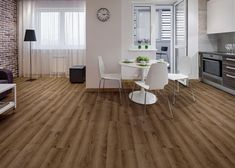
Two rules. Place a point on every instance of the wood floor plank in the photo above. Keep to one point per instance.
(60, 125)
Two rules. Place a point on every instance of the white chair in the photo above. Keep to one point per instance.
(108, 76)
(185, 71)
(156, 80)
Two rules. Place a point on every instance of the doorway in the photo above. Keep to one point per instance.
(164, 33)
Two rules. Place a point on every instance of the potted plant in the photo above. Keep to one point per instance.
(139, 44)
(146, 44)
(140, 59)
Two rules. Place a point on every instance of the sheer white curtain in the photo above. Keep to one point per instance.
(60, 31)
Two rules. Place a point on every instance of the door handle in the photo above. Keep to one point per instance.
(230, 59)
(228, 67)
(230, 76)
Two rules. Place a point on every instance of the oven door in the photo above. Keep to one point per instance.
(212, 67)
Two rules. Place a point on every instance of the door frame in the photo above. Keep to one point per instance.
(185, 33)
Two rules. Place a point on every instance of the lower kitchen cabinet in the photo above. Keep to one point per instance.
(211, 63)
(229, 72)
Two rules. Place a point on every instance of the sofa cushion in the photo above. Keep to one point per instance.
(2, 81)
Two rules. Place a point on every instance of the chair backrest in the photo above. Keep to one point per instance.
(184, 65)
(164, 49)
(157, 76)
(101, 66)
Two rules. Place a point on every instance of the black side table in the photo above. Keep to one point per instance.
(77, 74)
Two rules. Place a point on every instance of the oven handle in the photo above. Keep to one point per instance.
(230, 59)
(230, 76)
(212, 60)
(228, 67)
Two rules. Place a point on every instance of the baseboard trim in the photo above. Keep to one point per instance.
(105, 90)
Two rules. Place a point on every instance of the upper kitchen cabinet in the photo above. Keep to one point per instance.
(220, 16)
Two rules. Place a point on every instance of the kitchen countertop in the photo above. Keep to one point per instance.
(217, 53)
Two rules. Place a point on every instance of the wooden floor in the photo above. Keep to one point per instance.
(60, 125)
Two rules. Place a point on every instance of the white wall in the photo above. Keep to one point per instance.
(206, 42)
(113, 39)
(103, 39)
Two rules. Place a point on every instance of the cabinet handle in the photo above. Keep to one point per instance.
(228, 67)
(230, 59)
(230, 76)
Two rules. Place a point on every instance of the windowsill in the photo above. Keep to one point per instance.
(56, 49)
(143, 50)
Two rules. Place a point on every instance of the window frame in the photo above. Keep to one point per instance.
(133, 16)
(136, 22)
(153, 33)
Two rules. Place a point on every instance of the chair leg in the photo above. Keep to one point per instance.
(132, 91)
(145, 106)
(170, 108)
(99, 87)
(169, 104)
(119, 87)
(129, 100)
(178, 86)
(174, 94)
(123, 89)
(192, 91)
(103, 84)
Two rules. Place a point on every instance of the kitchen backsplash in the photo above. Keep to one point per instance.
(212, 42)
(224, 39)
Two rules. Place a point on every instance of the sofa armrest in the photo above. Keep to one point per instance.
(6, 74)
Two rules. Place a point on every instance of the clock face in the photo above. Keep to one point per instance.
(103, 14)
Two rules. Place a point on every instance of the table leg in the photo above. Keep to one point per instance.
(142, 96)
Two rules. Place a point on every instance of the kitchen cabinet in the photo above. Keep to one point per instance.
(220, 16)
(229, 72)
(225, 79)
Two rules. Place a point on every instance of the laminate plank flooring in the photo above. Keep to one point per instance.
(61, 125)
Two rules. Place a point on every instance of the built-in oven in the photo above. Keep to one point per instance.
(212, 68)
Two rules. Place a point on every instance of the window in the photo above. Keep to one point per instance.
(61, 29)
(164, 28)
(49, 28)
(142, 24)
(152, 23)
(73, 20)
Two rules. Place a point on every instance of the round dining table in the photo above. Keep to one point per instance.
(139, 96)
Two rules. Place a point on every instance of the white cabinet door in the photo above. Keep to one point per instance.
(220, 16)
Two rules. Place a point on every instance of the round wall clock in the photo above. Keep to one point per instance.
(103, 14)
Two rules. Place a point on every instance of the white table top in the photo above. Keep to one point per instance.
(137, 65)
(5, 87)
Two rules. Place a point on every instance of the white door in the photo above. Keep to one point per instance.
(180, 32)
